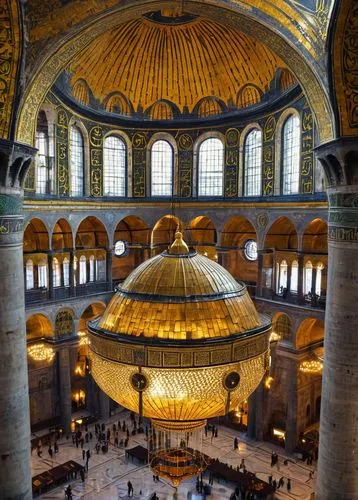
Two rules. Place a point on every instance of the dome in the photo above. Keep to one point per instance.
(165, 66)
(180, 296)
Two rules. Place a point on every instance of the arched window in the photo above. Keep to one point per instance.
(291, 155)
(161, 169)
(42, 180)
(42, 274)
(100, 269)
(29, 274)
(320, 267)
(91, 268)
(83, 270)
(294, 276)
(66, 272)
(114, 166)
(77, 162)
(252, 163)
(308, 278)
(282, 284)
(56, 272)
(211, 168)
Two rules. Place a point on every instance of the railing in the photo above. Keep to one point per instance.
(62, 292)
(317, 302)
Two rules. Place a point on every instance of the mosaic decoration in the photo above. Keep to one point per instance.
(307, 144)
(96, 160)
(62, 156)
(268, 166)
(185, 162)
(139, 143)
(10, 46)
(30, 181)
(231, 173)
(64, 324)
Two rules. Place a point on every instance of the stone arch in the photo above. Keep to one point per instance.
(36, 236)
(310, 331)
(281, 235)
(282, 327)
(62, 236)
(163, 233)
(136, 233)
(89, 312)
(236, 232)
(91, 233)
(37, 326)
(315, 237)
(202, 236)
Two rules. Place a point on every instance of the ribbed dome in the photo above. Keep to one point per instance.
(183, 297)
(197, 66)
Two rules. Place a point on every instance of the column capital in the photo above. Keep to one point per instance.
(15, 160)
(339, 159)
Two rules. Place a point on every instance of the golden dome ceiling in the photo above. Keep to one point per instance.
(161, 68)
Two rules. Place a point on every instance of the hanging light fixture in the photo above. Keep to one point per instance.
(315, 364)
(41, 352)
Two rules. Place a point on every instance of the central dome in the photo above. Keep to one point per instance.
(182, 296)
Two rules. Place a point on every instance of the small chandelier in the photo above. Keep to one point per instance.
(41, 352)
(314, 366)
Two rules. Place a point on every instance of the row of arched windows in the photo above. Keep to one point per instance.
(310, 285)
(210, 164)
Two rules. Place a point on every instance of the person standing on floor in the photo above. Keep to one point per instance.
(130, 489)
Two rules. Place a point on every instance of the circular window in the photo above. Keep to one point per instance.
(231, 381)
(250, 250)
(120, 248)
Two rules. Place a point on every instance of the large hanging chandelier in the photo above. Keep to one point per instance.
(315, 364)
(180, 342)
(41, 352)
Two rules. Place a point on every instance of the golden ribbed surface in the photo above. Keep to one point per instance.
(147, 62)
(180, 297)
(184, 321)
(182, 276)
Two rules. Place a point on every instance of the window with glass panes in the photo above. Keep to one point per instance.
(66, 272)
(77, 162)
(211, 168)
(114, 167)
(29, 274)
(83, 270)
(291, 155)
(91, 268)
(42, 275)
(56, 272)
(253, 163)
(41, 163)
(161, 169)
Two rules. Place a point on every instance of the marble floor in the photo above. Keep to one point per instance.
(108, 474)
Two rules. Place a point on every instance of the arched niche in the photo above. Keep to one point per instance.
(281, 327)
(91, 234)
(315, 237)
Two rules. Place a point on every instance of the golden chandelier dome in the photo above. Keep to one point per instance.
(180, 342)
(180, 295)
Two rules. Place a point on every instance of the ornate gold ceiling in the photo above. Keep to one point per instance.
(199, 66)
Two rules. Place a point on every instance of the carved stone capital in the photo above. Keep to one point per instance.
(15, 160)
(339, 159)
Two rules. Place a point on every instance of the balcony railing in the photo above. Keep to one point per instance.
(63, 292)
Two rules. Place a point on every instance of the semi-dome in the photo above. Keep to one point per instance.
(164, 66)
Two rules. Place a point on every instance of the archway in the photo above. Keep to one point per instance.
(203, 236)
(280, 259)
(281, 327)
(38, 326)
(310, 331)
(62, 236)
(134, 232)
(238, 237)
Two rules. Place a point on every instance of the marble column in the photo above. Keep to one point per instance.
(109, 259)
(50, 275)
(255, 419)
(64, 370)
(259, 279)
(15, 469)
(338, 448)
(291, 437)
(104, 406)
(300, 294)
